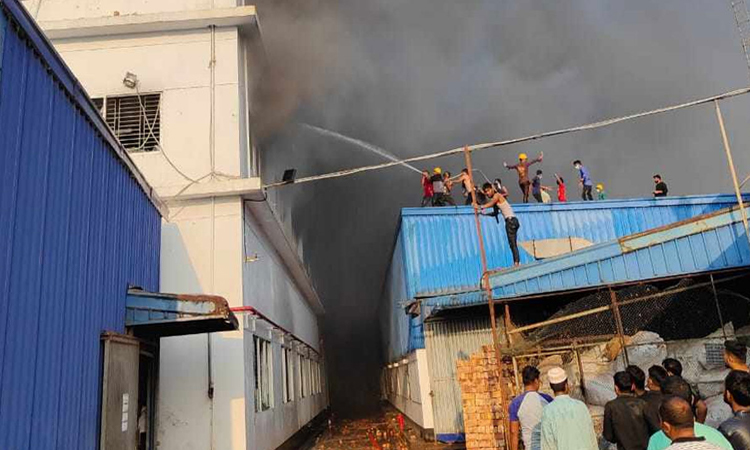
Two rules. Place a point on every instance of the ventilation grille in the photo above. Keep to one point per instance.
(136, 123)
(714, 355)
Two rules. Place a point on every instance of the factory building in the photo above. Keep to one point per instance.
(173, 82)
(434, 313)
(81, 315)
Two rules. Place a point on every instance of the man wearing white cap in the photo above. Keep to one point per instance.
(566, 422)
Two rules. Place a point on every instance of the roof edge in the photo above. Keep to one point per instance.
(237, 16)
(581, 205)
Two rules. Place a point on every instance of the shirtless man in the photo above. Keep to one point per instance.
(466, 186)
(499, 204)
(523, 172)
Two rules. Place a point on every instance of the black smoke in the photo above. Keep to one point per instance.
(418, 76)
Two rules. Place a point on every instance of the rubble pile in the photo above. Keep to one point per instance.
(383, 432)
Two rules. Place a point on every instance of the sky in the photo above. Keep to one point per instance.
(422, 76)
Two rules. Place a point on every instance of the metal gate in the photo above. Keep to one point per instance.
(448, 341)
(119, 392)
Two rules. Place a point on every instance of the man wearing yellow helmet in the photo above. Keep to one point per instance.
(523, 172)
(438, 187)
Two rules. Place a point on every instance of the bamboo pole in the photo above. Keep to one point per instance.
(732, 171)
(490, 301)
(618, 325)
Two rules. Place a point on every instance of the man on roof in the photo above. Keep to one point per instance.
(523, 172)
(438, 187)
(500, 205)
(584, 180)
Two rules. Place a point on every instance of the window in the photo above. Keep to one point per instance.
(300, 375)
(316, 377)
(135, 120)
(263, 374)
(287, 365)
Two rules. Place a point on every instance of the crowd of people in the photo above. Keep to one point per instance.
(436, 187)
(653, 410)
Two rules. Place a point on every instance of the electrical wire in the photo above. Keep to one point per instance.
(533, 137)
(154, 137)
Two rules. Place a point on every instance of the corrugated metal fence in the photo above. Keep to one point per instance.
(75, 230)
(447, 342)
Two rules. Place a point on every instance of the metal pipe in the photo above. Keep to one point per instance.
(618, 325)
(260, 315)
(490, 299)
(732, 171)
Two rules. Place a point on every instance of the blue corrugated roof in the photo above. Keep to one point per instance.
(75, 230)
(440, 246)
(711, 242)
(707, 243)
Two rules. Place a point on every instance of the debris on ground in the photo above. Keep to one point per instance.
(386, 431)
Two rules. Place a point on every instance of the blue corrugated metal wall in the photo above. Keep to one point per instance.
(442, 253)
(75, 230)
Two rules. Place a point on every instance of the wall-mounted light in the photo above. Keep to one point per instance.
(249, 259)
(130, 81)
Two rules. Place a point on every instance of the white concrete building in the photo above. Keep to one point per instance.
(185, 113)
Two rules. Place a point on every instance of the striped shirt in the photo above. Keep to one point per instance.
(695, 443)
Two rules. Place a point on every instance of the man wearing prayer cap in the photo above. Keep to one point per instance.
(566, 422)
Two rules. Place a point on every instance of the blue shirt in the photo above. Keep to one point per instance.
(566, 425)
(585, 176)
(527, 410)
(536, 185)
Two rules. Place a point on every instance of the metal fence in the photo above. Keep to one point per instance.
(688, 318)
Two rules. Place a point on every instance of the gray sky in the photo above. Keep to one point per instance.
(427, 75)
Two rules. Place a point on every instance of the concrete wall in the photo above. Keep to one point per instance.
(176, 65)
(408, 388)
(271, 291)
(201, 252)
